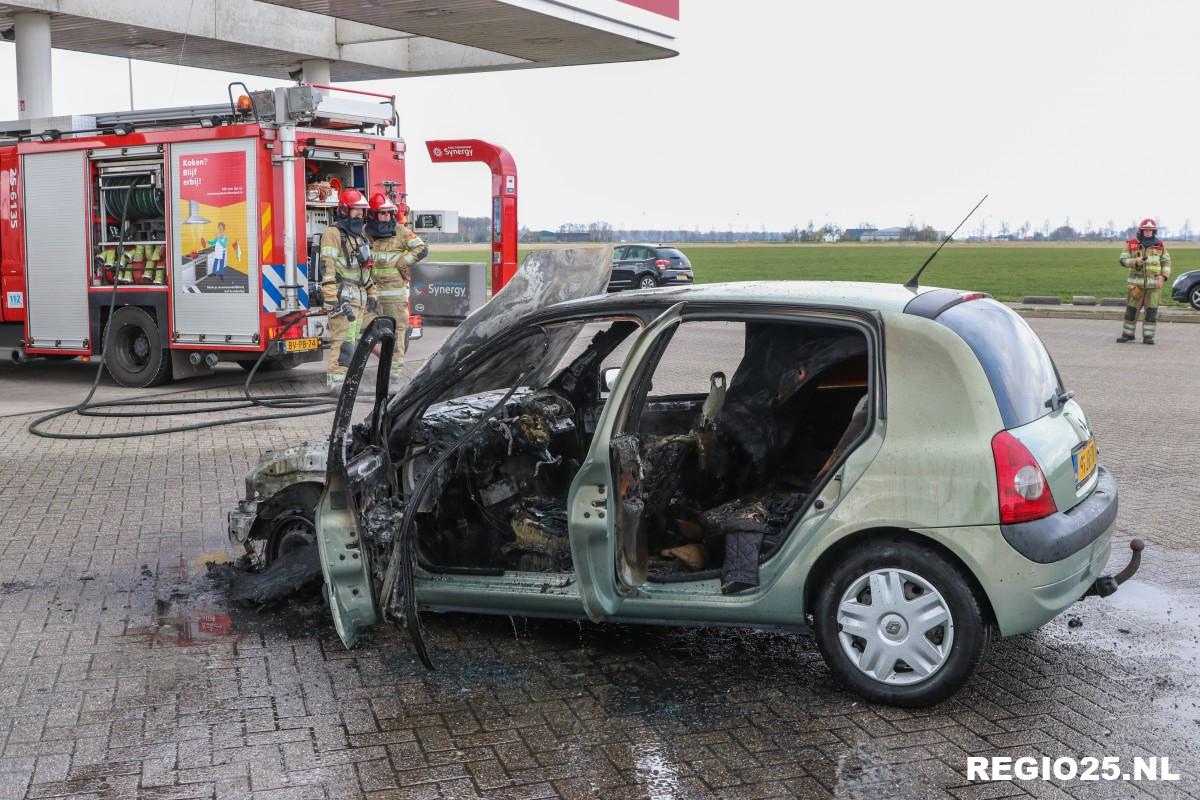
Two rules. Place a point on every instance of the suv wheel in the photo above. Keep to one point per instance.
(1194, 297)
(648, 282)
(898, 623)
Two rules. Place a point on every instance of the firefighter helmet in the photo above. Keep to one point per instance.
(381, 202)
(351, 198)
(1148, 222)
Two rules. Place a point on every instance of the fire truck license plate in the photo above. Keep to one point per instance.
(300, 345)
(1085, 462)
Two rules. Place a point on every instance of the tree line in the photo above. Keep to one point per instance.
(477, 230)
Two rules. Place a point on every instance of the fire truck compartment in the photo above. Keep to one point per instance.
(56, 237)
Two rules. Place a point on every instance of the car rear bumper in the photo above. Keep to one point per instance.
(1032, 573)
(1043, 567)
(1059, 535)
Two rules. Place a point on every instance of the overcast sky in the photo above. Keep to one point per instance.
(775, 113)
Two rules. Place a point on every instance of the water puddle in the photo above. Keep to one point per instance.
(188, 627)
(656, 773)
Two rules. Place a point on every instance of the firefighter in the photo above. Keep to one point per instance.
(1149, 266)
(346, 279)
(395, 248)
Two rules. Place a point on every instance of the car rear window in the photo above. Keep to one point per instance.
(671, 252)
(1021, 372)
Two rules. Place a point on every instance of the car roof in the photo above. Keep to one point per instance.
(883, 297)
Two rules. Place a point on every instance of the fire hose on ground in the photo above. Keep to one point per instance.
(297, 404)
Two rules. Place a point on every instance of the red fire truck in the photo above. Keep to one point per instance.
(191, 232)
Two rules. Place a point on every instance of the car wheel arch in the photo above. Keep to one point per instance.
(825, 562)
(304, 493)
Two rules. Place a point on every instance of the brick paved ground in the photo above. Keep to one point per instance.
(123, 674)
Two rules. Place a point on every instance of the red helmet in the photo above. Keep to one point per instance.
(1148, 222)
(381, 202)
(352, 198)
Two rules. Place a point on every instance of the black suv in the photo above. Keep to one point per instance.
(644, 266)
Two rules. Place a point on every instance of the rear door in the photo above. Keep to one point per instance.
(608, 542)
(216, 286)
(622, 275)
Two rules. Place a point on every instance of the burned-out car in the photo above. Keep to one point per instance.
(898, 470)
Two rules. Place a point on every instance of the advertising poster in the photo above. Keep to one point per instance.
(441, 290)
(214, 220)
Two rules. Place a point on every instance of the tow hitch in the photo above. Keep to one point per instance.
(1107, 584)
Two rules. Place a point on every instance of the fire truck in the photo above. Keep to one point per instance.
(190, 233)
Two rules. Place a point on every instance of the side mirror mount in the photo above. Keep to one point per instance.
(608, 378)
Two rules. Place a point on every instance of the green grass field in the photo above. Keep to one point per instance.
(1007, 272)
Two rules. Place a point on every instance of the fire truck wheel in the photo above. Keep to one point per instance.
(134, 354)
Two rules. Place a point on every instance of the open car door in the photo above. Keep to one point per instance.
(606, 528)
(363, 476)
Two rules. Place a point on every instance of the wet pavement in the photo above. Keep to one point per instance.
(125, 673)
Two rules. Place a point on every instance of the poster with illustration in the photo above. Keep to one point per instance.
(212, 223)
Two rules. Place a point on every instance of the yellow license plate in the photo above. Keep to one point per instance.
(300, 345)
(1085, 462)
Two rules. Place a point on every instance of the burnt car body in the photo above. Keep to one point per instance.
(841, 475)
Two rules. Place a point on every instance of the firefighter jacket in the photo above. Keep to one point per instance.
(1146, 261)
(395, 255)
(343, 265)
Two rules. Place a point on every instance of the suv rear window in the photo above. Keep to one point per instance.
(1021, 372)
(671, 252)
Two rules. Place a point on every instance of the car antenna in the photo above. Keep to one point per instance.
(912, 282)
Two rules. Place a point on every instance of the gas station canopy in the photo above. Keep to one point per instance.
(360, 39)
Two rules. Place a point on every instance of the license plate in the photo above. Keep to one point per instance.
(300, 345)
(1085, 462)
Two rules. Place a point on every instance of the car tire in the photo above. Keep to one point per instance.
(134, 353)
(931, 591)
(1194, 297)
(647, 282)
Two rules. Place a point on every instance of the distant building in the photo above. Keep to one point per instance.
(855, 234)
(882, 235)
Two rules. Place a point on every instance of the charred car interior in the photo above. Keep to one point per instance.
(711, 462)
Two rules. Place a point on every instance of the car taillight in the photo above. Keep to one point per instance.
(414, 321)
(662, 262)
(1024, 493)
